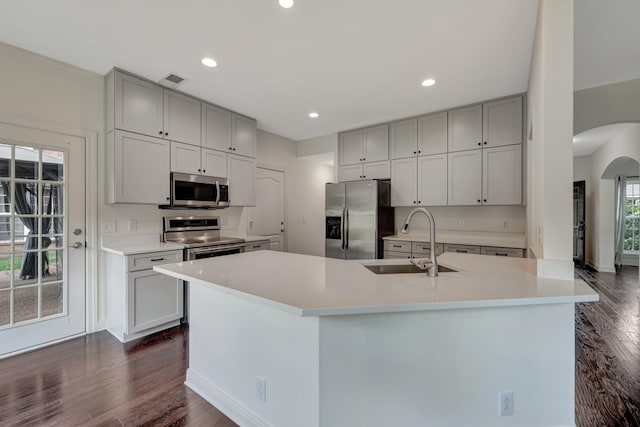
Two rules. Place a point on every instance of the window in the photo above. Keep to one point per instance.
(632, 217)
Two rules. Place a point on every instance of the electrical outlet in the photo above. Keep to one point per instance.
(132, 225)
(461, 223)
(506, 403)
(261, 389)
(108, 227)
(504, 224)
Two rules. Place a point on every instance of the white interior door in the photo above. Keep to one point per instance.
(268, 216)
(42, 237)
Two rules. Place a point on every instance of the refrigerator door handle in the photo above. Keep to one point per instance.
(346, 228)
(342, 228)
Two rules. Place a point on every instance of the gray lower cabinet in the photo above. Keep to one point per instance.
(396, 249)
(496, 251)
(259, 245)
(139, 300)
(462, 249)
(423, 249)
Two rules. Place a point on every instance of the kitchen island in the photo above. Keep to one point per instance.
(280, 339)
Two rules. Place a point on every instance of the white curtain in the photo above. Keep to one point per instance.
(621, 190)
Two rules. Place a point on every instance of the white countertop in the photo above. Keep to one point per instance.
(476, 238)
(316, 286)
(140, 248)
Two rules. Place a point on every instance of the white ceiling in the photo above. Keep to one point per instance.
(606, 42)
(356, 62)
(589, 141)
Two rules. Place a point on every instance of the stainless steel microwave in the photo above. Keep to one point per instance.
(198, 191)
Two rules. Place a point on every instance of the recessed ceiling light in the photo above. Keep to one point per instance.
(314, 115)
(209, 62)
(428, 82)
(286, 3)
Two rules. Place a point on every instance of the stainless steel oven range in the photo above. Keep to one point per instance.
(201, 238)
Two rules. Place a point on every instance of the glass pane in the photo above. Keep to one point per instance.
(54, 242)
(5, 160)
(4, 307)
(52, 266)
(25, 267)
(25, 304)
(52, 165)
(27, 159)
(52, 300)
(52, 199)
(5, 270)
(25, 201)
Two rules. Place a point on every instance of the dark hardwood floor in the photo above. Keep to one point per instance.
(608, 351)
(97, 381)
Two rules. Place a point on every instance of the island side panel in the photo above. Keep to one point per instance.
(448, 367)
(233, 340)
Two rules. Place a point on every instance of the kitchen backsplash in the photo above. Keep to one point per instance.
(499, 219)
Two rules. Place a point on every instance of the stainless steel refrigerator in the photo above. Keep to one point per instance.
(358, 214)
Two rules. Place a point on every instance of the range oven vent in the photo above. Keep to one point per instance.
(171, 81)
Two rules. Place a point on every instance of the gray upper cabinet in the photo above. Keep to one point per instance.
(181, 118)
(422, 136)
(465, 128)
(403, 138)
(243, 136)
(376, 143)
(134, 105)
(216, 128)
(351, 147)
(432, 134)
(364, 145)
(502, 122)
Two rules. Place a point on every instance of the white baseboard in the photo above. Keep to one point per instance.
(39, 346)
(226, 404)
(604, 268)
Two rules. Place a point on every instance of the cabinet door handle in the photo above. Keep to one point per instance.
(397, 246)
(462, 251)
(419, 151)
(156, 259)
(485, 143)
(166, 134)
(415, 152)
(478, 200)
(419, 201)
(204, 170)
(479, 143)
(485, 200)
(234, 148)
(501, 254)
(160, 132)
(199, 170)
(256, 246)
(230, 148)
(364, 158)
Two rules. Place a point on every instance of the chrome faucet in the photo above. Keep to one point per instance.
(431, 265)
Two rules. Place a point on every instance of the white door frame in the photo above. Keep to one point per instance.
(91, 209)
(286, 221)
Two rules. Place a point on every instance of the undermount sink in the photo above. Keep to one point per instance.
(404, 268)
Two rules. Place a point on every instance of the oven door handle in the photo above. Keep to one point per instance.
(216, 249)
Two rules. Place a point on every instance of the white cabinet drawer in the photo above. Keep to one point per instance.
(148, 260)
(423, 248)
(256, 246)
(397, 246)
(463, 249)
(396, 255)
(509, 252)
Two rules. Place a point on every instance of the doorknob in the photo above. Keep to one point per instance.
(77, 245)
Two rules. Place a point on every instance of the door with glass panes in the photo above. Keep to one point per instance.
(42, 237)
